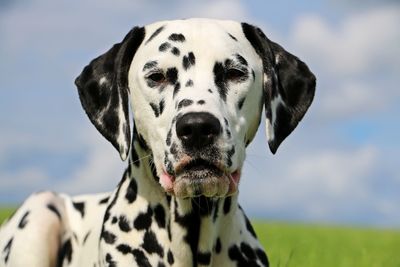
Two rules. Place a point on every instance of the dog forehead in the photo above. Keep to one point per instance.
(208, 37)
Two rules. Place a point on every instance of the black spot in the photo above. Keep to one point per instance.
(216, 210)
(53, 209)
(210, 91)
(170, 257)
(124, 249)
(175, 51)
(161, 106)
(172, 75)
(164, 46)
(201, 102)
(168, 164)
(85, 238)
(150, 65)
(176, 89)
(247, 143)
(262, 256)
(230, 154)
(65, 253)
(23, 221)
(159, 214)
(226, 122)
(233, 37)
(219, 79)
(204, 258)
(157, 32)
(104, 200)
(155, 109)
(160, 264)
(131, 192)
(169, 231)
(7, 249)
(80, 207)
(184, 103)
(75, 236)
(153, 169)
(177, 37)
(141, 258)
(151, 245)
(218, 246)
(123, 224)
(247, 251)
(240, 103)
(189, 83)
(174, 148)
(108, 237)
(228, 134)
(114, 220)
(249, 227)
(143, 220)
(141, 141)
(169, 136)
(134, 159)
(235, 254)
(227, 205)
(188, 61)
(241, 60)
(110, 261)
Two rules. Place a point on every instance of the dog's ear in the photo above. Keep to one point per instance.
(288, 85)
(104, 93)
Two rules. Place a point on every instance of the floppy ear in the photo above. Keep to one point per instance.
(288, 85)
(104, 93)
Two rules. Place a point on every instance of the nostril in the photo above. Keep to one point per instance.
(186, 131)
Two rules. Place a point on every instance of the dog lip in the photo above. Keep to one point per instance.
(198, 164)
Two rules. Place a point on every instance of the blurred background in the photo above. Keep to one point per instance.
(338, 167)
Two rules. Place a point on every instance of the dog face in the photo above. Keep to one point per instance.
(197, 89)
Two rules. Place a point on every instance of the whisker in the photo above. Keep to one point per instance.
(139, 159)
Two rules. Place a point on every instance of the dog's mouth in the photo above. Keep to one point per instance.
(197, 177)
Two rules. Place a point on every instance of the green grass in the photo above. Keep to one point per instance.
(301, 245)
(307, 245)
(5, 213)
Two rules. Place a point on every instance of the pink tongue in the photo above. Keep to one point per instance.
(166, 181)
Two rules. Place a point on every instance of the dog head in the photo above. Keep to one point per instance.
(197, 89)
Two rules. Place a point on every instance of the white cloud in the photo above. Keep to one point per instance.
(101, 172)
(355, 61)
(352, 98)
(363, 42)
(327, 185)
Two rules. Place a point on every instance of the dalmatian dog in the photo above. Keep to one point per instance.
(196, 89)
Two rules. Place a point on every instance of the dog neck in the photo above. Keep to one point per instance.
(199, 223)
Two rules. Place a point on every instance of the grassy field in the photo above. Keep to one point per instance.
(299, 245)
(307, 245)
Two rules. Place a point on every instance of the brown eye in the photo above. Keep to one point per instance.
(157, 77)
(234, 74)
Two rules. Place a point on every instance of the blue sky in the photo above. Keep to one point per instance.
(339, 166)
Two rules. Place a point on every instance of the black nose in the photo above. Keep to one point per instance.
(197, 129)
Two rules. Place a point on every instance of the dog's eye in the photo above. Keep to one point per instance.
(157, 77)
(235, 74)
